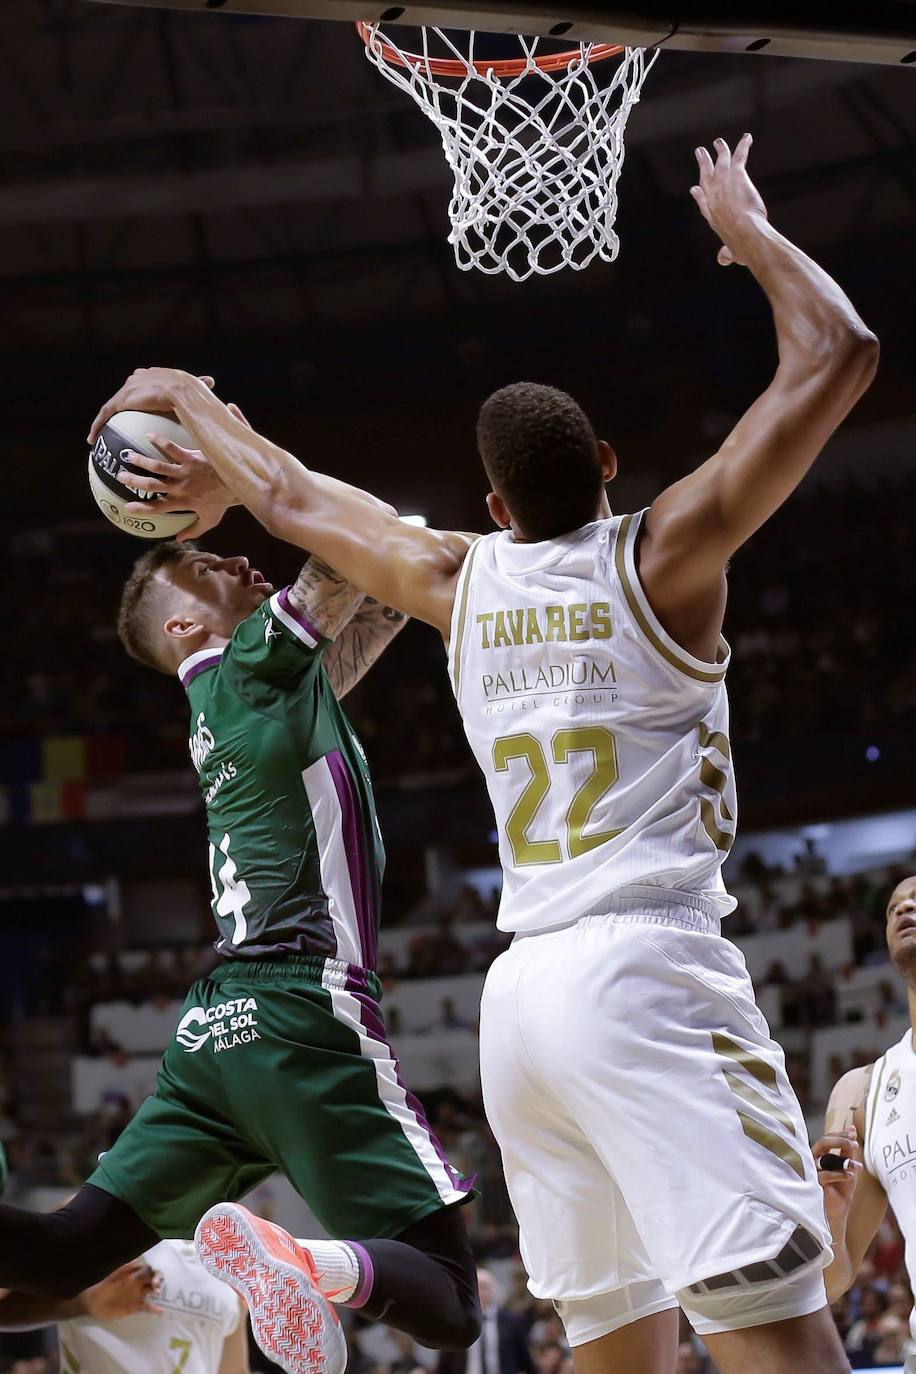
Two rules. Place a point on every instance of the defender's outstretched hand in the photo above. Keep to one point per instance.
(728, 199)
(147, 388)
(183, 480)
(128, 1290)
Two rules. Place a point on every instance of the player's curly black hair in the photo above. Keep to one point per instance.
(541, 457)
(139, 614)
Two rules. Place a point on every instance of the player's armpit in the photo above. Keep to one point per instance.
(327, 601)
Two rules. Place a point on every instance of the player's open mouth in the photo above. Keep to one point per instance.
(906, 922)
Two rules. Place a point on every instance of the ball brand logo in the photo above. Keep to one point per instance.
(103, 457)
(227, 1024)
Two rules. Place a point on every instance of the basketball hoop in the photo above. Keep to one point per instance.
(535, 144)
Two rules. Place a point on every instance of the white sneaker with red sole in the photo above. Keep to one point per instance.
(293, 1322)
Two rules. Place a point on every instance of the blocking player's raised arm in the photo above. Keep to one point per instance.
(405, 566)
(827, 359)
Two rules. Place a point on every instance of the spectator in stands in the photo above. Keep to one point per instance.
(809, 861)
(408, 1360)
(449, 1018)
(816, 995)
(502, 1347)
(776, 975)
(891, 1346)
(865, 1334)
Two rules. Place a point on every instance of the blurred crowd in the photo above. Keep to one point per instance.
(872, 1318)
(805, 629)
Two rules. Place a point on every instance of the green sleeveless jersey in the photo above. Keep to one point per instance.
(296, 854)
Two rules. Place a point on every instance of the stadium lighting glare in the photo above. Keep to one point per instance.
(420, 520)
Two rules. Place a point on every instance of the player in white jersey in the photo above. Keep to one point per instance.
(161, 1314)
(871, 1122)
(653, 1147)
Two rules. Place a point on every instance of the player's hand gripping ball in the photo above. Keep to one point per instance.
(124, 433)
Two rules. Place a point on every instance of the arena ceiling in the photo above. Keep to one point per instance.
(201, 176)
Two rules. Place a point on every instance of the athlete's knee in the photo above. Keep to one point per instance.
(461, 1329)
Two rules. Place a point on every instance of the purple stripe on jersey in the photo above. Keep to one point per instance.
(201, 666)
(283, 599)
(375, 1028)
(355, 846)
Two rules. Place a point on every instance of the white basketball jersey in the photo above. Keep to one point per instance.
(890, 1141)
(603, 743)
(200, 1312)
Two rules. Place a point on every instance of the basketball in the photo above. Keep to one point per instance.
(125, 433)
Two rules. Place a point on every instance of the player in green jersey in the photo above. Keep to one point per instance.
(280, 1058)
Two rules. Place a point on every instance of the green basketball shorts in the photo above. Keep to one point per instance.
(282, 1066)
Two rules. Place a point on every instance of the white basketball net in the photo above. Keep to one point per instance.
(536, 157)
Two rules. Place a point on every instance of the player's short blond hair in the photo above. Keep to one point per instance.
(142, 606)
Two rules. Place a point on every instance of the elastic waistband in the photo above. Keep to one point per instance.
(301, 968)
(645, 904)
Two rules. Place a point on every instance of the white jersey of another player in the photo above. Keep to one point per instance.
(889, 1148)
(199, 1314)
(604, 744)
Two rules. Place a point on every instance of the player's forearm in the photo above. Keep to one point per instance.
(274, 485)
(25, 1311)
(818, 328)
(364, 640)
(840, 1274)
(400, 565)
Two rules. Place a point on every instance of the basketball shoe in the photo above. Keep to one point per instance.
(293, 1322)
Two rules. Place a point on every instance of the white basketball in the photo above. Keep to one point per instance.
(126, 432)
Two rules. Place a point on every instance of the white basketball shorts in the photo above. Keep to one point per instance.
(652, 1145)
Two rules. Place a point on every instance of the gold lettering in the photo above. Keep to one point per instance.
(500, 633)
(533, 633)
(556, 625)
(577, 630)
(601, 620)
(515, 625)
(484, 635)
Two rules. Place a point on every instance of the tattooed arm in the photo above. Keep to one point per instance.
(327, 601)
(368, 634)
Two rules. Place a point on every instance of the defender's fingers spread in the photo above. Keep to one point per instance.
(724, 257)
(159, 466)
(208, 381)
(724, 153)
(174, 452)
(742, 150)
(137, 483)
(705, 162)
